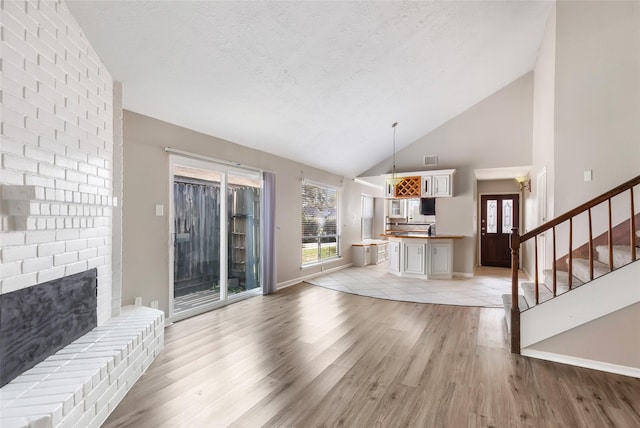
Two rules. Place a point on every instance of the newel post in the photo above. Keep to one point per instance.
(514, 242)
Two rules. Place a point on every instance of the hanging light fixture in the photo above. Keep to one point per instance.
(394, 180)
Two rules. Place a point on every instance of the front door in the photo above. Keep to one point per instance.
(498, 214)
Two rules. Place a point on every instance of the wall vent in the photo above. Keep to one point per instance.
(430, 160)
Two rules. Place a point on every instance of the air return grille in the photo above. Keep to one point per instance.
(430, 160)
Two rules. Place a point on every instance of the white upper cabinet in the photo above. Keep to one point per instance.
(441, 185)
(426, 186)
(437, 183)
(389, 190)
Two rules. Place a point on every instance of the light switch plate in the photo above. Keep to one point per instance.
(587, 175)
(159, 210)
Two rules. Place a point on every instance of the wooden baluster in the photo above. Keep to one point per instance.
(514, 242)
(535, 244)
(570, 260)
(610, 239)
(590, 246)
(553, 230)
(632, 223)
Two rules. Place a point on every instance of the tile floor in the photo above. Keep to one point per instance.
(484, 289)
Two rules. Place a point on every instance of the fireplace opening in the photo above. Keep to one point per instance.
(38, 321)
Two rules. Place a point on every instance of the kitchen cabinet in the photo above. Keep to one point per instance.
(441, 185)
(440, 260)
(426, 185)
(394, 256)
(396, 208)
(414, 258)
(380, 253)
(370, 252)
(361, 255)
(407, 187)
(421, 256)
(437, 184)
(389, 189)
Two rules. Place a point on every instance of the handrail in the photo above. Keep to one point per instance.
(581, 208)
(515, 241)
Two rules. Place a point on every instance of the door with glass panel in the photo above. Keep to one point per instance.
(243, 204)
(215, 228)
(498, 215)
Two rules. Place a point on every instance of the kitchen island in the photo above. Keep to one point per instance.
(419, 255)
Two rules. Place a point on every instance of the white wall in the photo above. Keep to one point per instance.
(57, 147)
(586, 110)
(146, 183)
(543, 147)
(494, 133)
(594, 341)
(597, 98)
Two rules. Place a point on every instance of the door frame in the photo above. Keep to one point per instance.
(224, 170)
(479, 219)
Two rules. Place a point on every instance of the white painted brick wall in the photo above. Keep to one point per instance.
(83, 382)
(56, 134)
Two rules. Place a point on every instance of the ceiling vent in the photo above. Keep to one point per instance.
(431, 160)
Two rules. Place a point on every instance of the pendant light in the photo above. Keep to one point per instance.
(394, 180)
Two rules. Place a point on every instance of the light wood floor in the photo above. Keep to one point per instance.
(308, 356)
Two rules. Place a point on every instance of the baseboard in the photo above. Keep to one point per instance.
(463, 274)
(582, 362)
(300, 279)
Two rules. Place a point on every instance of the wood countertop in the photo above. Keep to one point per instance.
(368, 242)
(413, 235)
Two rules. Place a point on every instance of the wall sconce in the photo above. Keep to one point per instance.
(525, 183)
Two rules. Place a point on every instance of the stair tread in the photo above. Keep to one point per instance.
(621, 255)
(522, 302)
(581, 269)
(529, 291)
(562, 280)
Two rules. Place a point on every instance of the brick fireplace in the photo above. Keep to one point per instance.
(60, 184)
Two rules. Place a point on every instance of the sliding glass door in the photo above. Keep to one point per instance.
(215, 228)
(243, 202)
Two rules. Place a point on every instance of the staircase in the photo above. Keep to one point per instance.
(582, 263)
(621, 257)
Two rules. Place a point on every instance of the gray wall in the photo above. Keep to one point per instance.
(597, 98)
(494, 133)
(586, 110)
(543, 146)
(612, 339)
(146, 183)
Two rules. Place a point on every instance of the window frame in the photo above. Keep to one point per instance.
(330, 255)
(366, 223)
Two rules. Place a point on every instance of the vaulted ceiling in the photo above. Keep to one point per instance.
(316, 82)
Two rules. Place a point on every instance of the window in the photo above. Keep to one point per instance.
(367, 217)
(319, 223)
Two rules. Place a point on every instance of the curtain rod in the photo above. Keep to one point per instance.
(210, 159)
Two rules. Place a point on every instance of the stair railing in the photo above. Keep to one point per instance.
(517, 240)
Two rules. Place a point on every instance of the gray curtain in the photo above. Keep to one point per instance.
(269, 278)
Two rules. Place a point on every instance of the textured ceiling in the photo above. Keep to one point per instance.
(316, 82)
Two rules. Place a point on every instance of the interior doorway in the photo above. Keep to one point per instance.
(499, 213)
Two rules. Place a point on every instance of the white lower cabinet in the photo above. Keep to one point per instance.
(394, 256)
(361, 255)
(414, 258)
(421, 258)
(440, 259)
